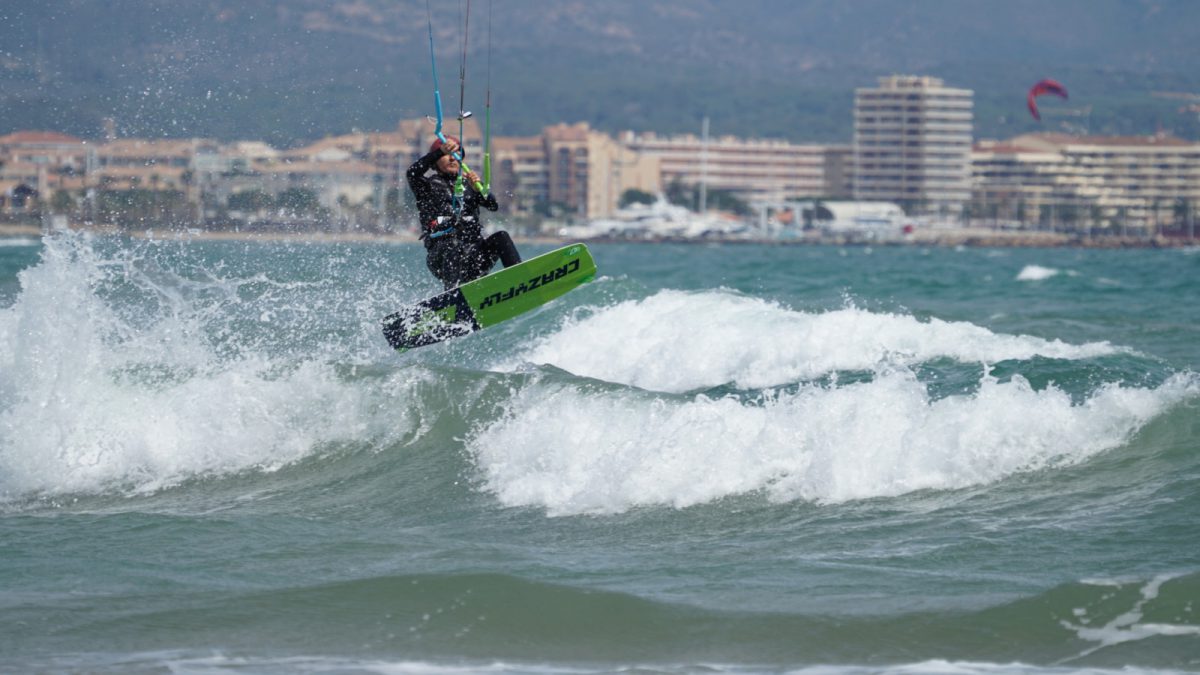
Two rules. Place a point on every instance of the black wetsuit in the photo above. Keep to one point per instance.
(456, 251)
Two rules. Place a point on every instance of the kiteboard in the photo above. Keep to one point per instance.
(491, 299)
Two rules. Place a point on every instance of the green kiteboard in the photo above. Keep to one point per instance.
(489, 300)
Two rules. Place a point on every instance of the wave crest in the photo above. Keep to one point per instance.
(572, 452)
(676, 342)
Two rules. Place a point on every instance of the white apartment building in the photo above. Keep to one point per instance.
(755, 170)
(1088, 181)
(912, 144)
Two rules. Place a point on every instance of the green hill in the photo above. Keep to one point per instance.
(287, 71)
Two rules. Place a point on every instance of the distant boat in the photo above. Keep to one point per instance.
(660, 220)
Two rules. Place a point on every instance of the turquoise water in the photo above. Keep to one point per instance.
(712, 458)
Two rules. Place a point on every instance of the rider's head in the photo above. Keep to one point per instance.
(447, 163)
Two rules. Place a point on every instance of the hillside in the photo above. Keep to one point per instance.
(292, 70)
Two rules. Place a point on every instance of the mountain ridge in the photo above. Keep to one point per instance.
(287, 71)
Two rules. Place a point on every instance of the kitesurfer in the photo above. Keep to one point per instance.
(456, 251)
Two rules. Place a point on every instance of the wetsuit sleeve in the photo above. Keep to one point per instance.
(416, 172)
(423, 188)
(489, 202)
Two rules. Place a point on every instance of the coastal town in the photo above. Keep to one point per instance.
(913, 171)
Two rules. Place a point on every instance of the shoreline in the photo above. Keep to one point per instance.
(966, 237)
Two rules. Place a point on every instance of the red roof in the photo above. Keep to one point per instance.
(1005, 148)
(37, 137)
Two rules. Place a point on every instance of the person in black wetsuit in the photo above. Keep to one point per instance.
(456, 251)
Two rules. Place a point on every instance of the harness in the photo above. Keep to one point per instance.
(443, 226)
(438, 227)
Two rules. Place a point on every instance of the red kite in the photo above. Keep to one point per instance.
(1043, 87)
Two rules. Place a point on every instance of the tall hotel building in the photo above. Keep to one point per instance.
(912, 144)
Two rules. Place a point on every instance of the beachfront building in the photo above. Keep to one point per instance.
(21, 186)
(154, 164)
(47, 148)
(520, 179)
(1106, 183)
(753, 170)
(587, 171)
(293, 184)
(36, 165)
(912, 144)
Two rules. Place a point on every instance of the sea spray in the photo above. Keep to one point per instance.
(677, 341)
(573, 451)
(1037, 273)
(134, 369)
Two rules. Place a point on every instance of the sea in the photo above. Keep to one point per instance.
(714, 458)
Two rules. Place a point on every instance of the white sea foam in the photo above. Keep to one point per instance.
(1037, 273)
(92, 435)
(92, 401)
(181, 662)
(677, 341)
(19, 241)
(572, 452)
(1129, 626)
(199, 664)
